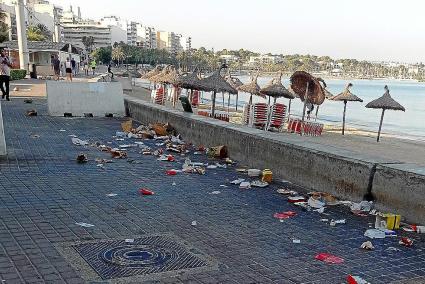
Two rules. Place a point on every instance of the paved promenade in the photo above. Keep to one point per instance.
(44, 192)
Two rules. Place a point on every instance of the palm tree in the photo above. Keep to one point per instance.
(118, 54)
(35, 34)
(44, 31)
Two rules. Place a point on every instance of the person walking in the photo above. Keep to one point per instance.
(93, 65)
(110, 71)
(86, 67)
(56, 66)
(68, 69)
(73, 66)
(5, 66)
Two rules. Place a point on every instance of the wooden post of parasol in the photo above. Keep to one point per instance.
(237, 96)
(213, 104)
(305, 105)
(317, 111)
(380, 125)
(343, 118)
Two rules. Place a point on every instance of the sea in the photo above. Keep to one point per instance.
(406, 125)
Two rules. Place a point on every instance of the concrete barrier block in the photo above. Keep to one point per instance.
(79, 98)
(400, 188)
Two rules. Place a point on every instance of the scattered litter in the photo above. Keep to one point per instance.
(267, 176)
(259, 183)
(35, 136)
(286, 191)
(333, 223)
(315, 203)
(160, 129)
(28, 101)
(197, 153)
(237, 181)
(367, 245)
(145, 191)
(329, 258)
(211, 167)
(173, 184)
(120, 134)
(73, 135)
(374, 234)
(169, 158)
(171, 172)
(387, 221)
(119, 139)
(363, 206)
(129, 240)
(320, 210)
(356, 280)
(415, 228)
(62, 130)
(79, 142)
(223, 185)
(296, 241)
(324, 220)
(245, 185)
(406, 242)
(102, 161)
(111, 194)
(218, 152)
(126, 146)
(127, 125)
(240, 170)
(31, 112)
(295, 199)
(194, 223)
(285, 215)
(254, 172)
(324, 197)
(215, 192)
(82, 158)
(392, 249)
(82, 224)
(117, 154)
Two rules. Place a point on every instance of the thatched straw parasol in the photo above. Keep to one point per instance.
(385, 102)
(160, 78)
(308, 88)
(173, 78)
(151, 73)
(251, 88)
(276, 89)
(217, 84)
(346, 96)
(191, 81)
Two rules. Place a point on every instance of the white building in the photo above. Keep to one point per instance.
(228, 58)
(118, 28)
(132, 33)
(146, 37)
(42, 12)
(265, 59)
(185, 43)
(169, 41)
(10, 18)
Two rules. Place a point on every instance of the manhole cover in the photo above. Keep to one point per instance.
(149, 256)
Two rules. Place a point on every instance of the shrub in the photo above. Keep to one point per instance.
(17, 74)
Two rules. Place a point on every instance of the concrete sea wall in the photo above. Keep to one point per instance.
(396, 189)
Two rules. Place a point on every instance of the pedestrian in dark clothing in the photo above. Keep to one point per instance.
(5, 66)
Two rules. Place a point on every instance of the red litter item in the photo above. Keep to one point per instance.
(355, 280)
(294, 199)
(284, 215)
(144, 191)
(171, 172)
(406, 242)
(329, 258)
(171, 158)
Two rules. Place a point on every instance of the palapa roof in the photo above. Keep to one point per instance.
(233, 81)
(347, 95)
(328, 95)
(217, 83)
(161, 77)
(34, 46)
(385, 102)
(191, 81)
(173, 77)
(251, 87)
(276, 89)
(152, 73)
(315, 93)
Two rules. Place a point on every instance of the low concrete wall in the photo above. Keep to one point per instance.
(79, 98)
(402, 185)
(343, 176)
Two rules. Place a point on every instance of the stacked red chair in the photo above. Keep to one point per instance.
(160, 96)
(277, 115)
(305, 128)
(259, 114)
(195, 98)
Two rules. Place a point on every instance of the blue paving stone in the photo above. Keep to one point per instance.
(44, 192)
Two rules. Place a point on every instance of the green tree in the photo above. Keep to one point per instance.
(118, 54)
(44, 31)
(4, 28)
(103, 54)
(88, 42)
(35, 34)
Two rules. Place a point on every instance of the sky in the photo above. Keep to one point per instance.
(389, 30)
